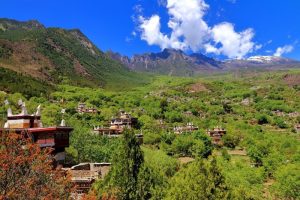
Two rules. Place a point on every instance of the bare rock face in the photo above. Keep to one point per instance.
(178, 63)
(84, 41)
(169, 61)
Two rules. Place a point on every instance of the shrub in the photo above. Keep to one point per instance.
(280, 123)
(230, 141)
(262, 119)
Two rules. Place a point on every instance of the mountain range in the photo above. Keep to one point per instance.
(176, 62)
(169, 61)
(48, 56)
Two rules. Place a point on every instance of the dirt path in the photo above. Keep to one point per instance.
(184, 160)
(237, 152)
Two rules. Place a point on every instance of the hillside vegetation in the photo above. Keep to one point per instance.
(258, 157)
(55, 55)
(12, 82)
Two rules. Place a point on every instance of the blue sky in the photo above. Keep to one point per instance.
(229, 28)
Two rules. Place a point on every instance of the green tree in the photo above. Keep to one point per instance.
(122, 182)
(200, 180)
(280, 123)
(246, 182)
(225, 154)
(262, 119)
(257, 152)
(227, 107)
(163, 106)
(146, 181)
(287, 185)
(230, 140)
(208, 147)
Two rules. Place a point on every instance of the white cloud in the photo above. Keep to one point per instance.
(258, 46)
(152, 34)
(186, 21)
(151, 31)
(233, 44)
(189, 30)
(211, 49)
(283, 50)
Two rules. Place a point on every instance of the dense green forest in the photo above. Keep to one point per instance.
(11, 81)
(259, 157)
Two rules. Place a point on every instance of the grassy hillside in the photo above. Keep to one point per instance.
(55, 55)
(259, 153)
(13, 82)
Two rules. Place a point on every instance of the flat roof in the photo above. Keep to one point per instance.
(10, 117)
(42, 129)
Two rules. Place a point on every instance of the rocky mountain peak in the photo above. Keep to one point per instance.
(10, 24)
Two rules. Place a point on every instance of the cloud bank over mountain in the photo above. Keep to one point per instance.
(283, 50)
(189, 31)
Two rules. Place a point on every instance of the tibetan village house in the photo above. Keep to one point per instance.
(118, 125)
(216, 134)
(56, 137)
(185, 129)
(84, 175)
(81, 108)
(124, 120)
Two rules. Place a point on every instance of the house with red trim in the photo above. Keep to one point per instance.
(30, 125)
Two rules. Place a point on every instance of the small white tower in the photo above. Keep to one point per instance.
(24, 110)
(9, 112)
(63, 122)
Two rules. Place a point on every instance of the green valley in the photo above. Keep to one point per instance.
(257, 158)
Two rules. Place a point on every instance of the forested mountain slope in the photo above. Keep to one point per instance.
(54, 55)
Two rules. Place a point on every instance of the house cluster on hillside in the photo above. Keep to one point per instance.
(216, 135)
(118, 125)
(56, 137)
(185, 129)
(83, 175)
(82, 108)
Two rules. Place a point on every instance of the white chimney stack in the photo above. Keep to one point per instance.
(9, 112)
(24, 110)
(38, 111)
(63, 122)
